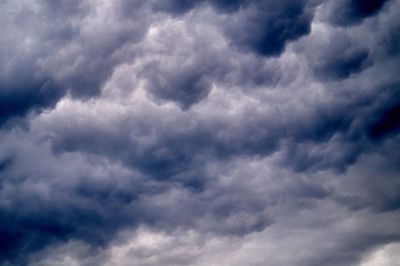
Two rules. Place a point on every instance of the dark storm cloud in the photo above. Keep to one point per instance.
(178, 7)
(185, 83)
(98, 49)
(186, 74)
(345, 66)
(232, 119)
(387, 119)
(21, 88)
(262, 27)
(169, 154)
(38, 210)
(266, 27)
(366, 190)
(50, 49)
(16, 100)
(335, 136)
(352, 12)
(76, 201)
(339, 59)
(336, 55)
(326, 135)
(44, 210)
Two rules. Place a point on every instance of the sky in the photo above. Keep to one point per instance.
(200, 132)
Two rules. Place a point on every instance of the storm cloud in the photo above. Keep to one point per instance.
(208, 132)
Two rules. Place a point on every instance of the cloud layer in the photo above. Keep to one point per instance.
(205, 132)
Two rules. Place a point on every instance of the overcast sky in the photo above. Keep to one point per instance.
(200, 132)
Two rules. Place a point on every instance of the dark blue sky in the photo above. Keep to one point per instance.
(203, 132)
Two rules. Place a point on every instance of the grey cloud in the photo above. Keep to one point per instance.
(185, 83)
(351, 12)
(262, 27)
(338, 57)
(386, 121)
(266, 27)
(261, 126)
(50, 49)
(16, 100)
(43, 205)
(186, 72)
(178, 7)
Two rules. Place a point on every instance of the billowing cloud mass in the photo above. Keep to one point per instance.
(208, 132)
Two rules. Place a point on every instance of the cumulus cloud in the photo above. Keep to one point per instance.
(199, 132)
